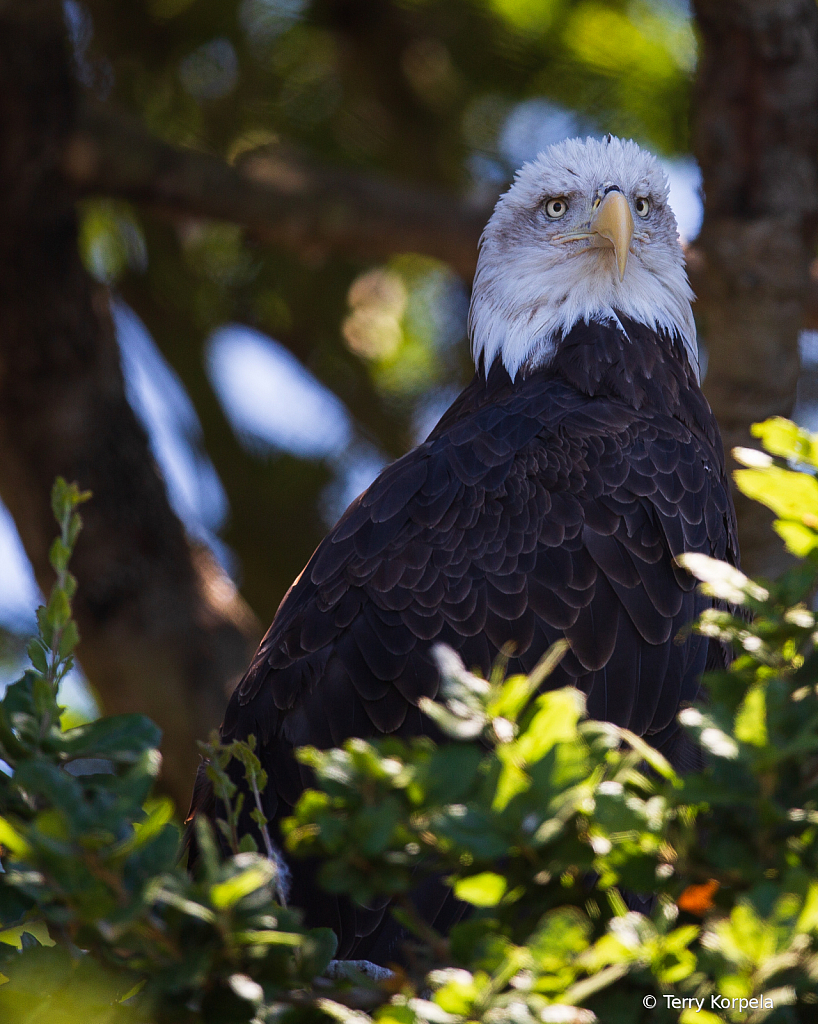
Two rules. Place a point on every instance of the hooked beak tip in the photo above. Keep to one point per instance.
(613, 222)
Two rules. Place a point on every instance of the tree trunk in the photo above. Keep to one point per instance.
(163, 630)
(756, 138)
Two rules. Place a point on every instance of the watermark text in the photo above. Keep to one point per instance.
(713, 1002)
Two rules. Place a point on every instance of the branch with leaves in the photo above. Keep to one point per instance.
(90, 863)
(541, 821)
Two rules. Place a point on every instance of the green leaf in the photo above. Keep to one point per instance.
(144, 831)
(10, 746)
(800, 540)
(391, 1014)
(696, 1016)
(555, 721)
(248, 844)
(38, 655)
(59, 555)
(44, 626)
(56, 787)
(456, 993)
(74, 527)
(226, 894)
(450, 773)
(517, 691)
(259, 817)
(48, 984)
(208, 863)
(808, 919)
(790, 494)
(122, 738)
(11, 839)
(65, 497)
(157, 893)
(61, 503)
(372, 827)
(483, 890)
(69, 640)
(45, 703)
(649, 754)
(787, 440)
(268, 938)
(321, 947)
(751, 720)
(58, 609)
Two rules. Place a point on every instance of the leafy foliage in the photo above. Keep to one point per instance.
(546, 824)
(92, 855)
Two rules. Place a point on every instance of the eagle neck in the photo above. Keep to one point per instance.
(620, 361)
(625, 361)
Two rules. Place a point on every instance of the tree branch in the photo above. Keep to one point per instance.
(278, 196)
(284, 200)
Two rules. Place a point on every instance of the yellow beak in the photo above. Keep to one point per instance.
(613, 225)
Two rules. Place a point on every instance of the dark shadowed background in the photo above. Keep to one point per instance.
(236, 245)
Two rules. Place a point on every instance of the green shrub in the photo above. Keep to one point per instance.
(538, 826)
(94, 858)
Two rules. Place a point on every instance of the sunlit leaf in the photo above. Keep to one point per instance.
(790, 494)
(801, 540)
(527, 15)
(144, 831)
(787, 440)
(483, 890)
(721, 579)
(751, 720)
(225, 894)
(12, 840)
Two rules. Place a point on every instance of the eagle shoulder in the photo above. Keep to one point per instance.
(533, 511)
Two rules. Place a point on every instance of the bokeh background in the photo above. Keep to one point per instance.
(275, 373)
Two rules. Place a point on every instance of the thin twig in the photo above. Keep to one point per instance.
(268, 843)
(436, 942)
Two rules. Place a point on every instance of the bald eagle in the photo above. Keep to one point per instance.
(550, 501)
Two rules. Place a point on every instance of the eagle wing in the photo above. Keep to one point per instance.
(532, 512)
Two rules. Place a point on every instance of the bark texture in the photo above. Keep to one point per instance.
(756, 138)
(163, 630)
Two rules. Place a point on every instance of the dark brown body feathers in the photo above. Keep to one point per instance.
(546, 507)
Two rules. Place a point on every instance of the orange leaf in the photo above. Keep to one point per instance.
(698, 899)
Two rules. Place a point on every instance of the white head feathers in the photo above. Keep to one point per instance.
(542, 268)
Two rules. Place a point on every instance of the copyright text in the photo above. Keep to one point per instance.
(711, 1003)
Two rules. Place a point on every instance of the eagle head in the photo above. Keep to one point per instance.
(584, 233)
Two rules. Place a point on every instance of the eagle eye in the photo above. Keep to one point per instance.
(642, 206)
(557, 208)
